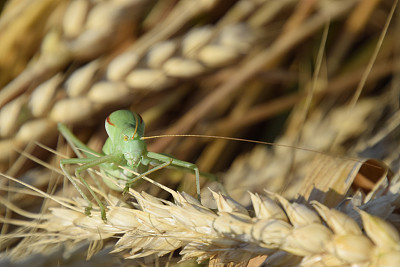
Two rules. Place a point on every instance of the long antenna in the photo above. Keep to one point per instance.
(248, 141)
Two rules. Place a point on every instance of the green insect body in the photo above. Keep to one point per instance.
(128, 127)
(124, 147)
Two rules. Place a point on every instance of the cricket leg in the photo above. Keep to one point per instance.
(179, 163)
(156, 168)
(87, 163)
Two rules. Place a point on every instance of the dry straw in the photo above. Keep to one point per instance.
(149, 226)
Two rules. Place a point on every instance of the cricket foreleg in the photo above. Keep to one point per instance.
(156, 168)
(88, 163)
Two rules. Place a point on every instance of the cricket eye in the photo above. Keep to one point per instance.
(126, 138)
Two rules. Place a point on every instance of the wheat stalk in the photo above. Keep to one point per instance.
(153, 226)
(281, 230)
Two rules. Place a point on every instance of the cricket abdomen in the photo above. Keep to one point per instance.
(116, 178)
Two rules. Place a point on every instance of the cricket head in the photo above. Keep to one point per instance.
(125, 129)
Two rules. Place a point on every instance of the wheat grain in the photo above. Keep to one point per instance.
(36, 130)
(74, 18)
(81, 79)
(43, 97)
(9, 116)
(160, 52)
(106, 92)
(72, 109)
(148, 79)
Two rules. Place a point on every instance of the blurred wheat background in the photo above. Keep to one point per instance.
(320, 77)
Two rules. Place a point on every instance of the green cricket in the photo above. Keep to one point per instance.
(123, 147)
